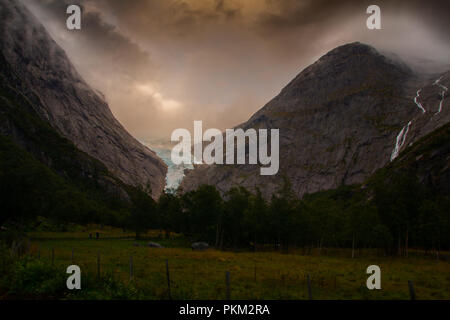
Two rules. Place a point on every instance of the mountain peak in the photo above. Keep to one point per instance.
(353, 67)
(339, 120)
(354, 47)
(360, 52)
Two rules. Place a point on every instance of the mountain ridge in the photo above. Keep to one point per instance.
(339, 119)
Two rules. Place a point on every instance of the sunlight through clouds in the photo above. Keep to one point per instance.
(163, 103)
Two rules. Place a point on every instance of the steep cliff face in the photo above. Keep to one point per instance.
(340, 120)
(29, 135)
(47, 78)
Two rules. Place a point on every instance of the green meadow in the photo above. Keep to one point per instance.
(267, 274)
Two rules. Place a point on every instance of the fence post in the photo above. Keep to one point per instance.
(412, 294)
(72, 256)
(53, 256)
(98, 264)
(131, 268)
(39, 252)
(308, 282)
(227, 280)
(168, 278)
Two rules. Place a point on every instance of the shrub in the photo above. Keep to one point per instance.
(36, 279)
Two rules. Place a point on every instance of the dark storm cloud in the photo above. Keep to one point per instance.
(97, 36)
(292, 14)
(109, 60)
(295, 13)
(164, 63)
(174, 17)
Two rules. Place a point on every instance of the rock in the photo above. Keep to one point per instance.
(49, 80)
(199, 246)
(154, 245)
(338, 121)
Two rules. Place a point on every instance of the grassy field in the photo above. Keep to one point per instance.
(261, 275)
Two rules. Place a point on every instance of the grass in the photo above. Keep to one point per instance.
(260, 275)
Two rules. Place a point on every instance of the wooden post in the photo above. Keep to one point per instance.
(72, 256)
(308, 282)
(13, 248)
(255, 272)
(406, 242)
(98, 264)
(131, 268)
(39, 253)
(168, 278)
(412, 294)
(227, 280)
(353, 246)
(53, 256)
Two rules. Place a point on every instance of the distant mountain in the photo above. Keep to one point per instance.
(35, 67)
(342, 118)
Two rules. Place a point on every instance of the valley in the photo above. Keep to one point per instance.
(358, 173)
(263, 275)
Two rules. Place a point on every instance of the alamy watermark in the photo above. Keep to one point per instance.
(73, 22)
(374, 20)
(236, 151)
(74, 280)
(374, 281)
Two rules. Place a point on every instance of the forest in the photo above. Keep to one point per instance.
(389, 214)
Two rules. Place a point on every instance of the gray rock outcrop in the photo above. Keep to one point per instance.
(154, 245)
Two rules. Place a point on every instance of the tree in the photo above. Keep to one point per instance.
(143, 213)
(256, 220)
(232, 226)
(285, 215)
(170, 213)
(203, 208)
(398, 199)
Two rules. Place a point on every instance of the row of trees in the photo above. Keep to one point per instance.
(392, 216)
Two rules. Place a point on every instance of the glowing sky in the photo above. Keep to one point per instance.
(161, 64)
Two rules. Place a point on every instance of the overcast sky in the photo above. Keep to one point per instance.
(162, 64)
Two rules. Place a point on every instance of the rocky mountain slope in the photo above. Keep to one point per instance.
(342, 118)
(427, 161)
(46, 77)
(20, 123)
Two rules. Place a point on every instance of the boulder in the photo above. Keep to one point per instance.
(154, 245)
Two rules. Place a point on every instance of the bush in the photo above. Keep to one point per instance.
(36, 279)
(107, 288)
